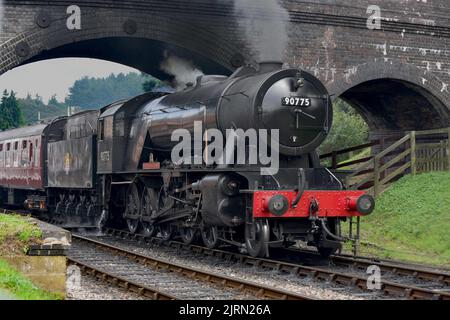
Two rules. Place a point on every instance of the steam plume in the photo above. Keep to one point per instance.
(266, 25)
(182, 70)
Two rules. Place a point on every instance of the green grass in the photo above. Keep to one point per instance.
(411, 221)
(17, 233)
(20, 287)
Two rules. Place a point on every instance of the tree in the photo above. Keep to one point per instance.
(53, 100)
(32, 107)
(348, 129)
(10, 113)
(150, 84)
(94, 93)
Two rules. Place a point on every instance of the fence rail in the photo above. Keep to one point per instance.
(334, 156)
(416, 152)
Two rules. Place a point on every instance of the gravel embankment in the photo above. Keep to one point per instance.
(90, 289)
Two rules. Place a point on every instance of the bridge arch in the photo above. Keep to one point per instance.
(395, 96)
(138, 42)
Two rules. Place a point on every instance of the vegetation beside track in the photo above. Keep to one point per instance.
(17, 233)
(411, 221)
(20, 287)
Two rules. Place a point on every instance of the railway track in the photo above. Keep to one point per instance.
(403, 281)
(419, 272)
(432, 283)
(163, 280)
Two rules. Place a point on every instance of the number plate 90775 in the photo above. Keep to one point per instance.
(296, 102)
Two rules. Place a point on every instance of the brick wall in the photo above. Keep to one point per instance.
(327, 37)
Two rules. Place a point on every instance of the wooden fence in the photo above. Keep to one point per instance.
(417, 151)
(333, 157)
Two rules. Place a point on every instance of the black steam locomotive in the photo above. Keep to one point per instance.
(115, 166)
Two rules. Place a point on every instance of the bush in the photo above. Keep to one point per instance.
(348, 129)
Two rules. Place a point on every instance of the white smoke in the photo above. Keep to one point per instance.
(266, 26)
(182, 70)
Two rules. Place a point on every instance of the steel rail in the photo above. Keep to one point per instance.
(418, 272)
(387, 287)
(120, 282)
(255, 289)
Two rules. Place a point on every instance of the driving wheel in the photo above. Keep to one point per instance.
(210, 237)
(257, 238)
(148, 206)
(133, 208)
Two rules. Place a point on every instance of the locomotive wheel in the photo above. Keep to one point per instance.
(132, 225)
(148, 205)
(167, 232)
(133, 208)
(257, 237)
(148, 229)
(188, 235)
(210, 237)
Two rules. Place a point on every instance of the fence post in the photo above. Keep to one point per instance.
(334, 161)
(376, 176)
(412, 137)
(448, 149)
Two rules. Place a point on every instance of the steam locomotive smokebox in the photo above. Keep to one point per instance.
(270, 66)
(222, 205)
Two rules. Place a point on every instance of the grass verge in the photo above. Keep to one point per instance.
(17, 233)
(411, 221)
(20, 287)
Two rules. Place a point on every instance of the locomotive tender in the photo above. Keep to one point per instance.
(113, 166)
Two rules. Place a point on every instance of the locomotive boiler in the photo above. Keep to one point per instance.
(242, 200)
(228, 203)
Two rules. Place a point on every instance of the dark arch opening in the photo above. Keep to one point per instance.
(143, 54)
(396, 105)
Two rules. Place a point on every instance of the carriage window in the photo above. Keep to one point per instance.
(8, 146)
(36, 153)
(101, 130)
(15, 156)
(119, 124)
(1, 147)
(81, 133)
(24, 144)
(31, 153)
(73, 132)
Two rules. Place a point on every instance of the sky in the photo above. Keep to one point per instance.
(56, 76)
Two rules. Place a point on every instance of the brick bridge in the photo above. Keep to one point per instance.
(397, 77)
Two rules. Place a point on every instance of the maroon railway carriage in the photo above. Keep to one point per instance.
(21, 158)
(23, 155)
(21, 163)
